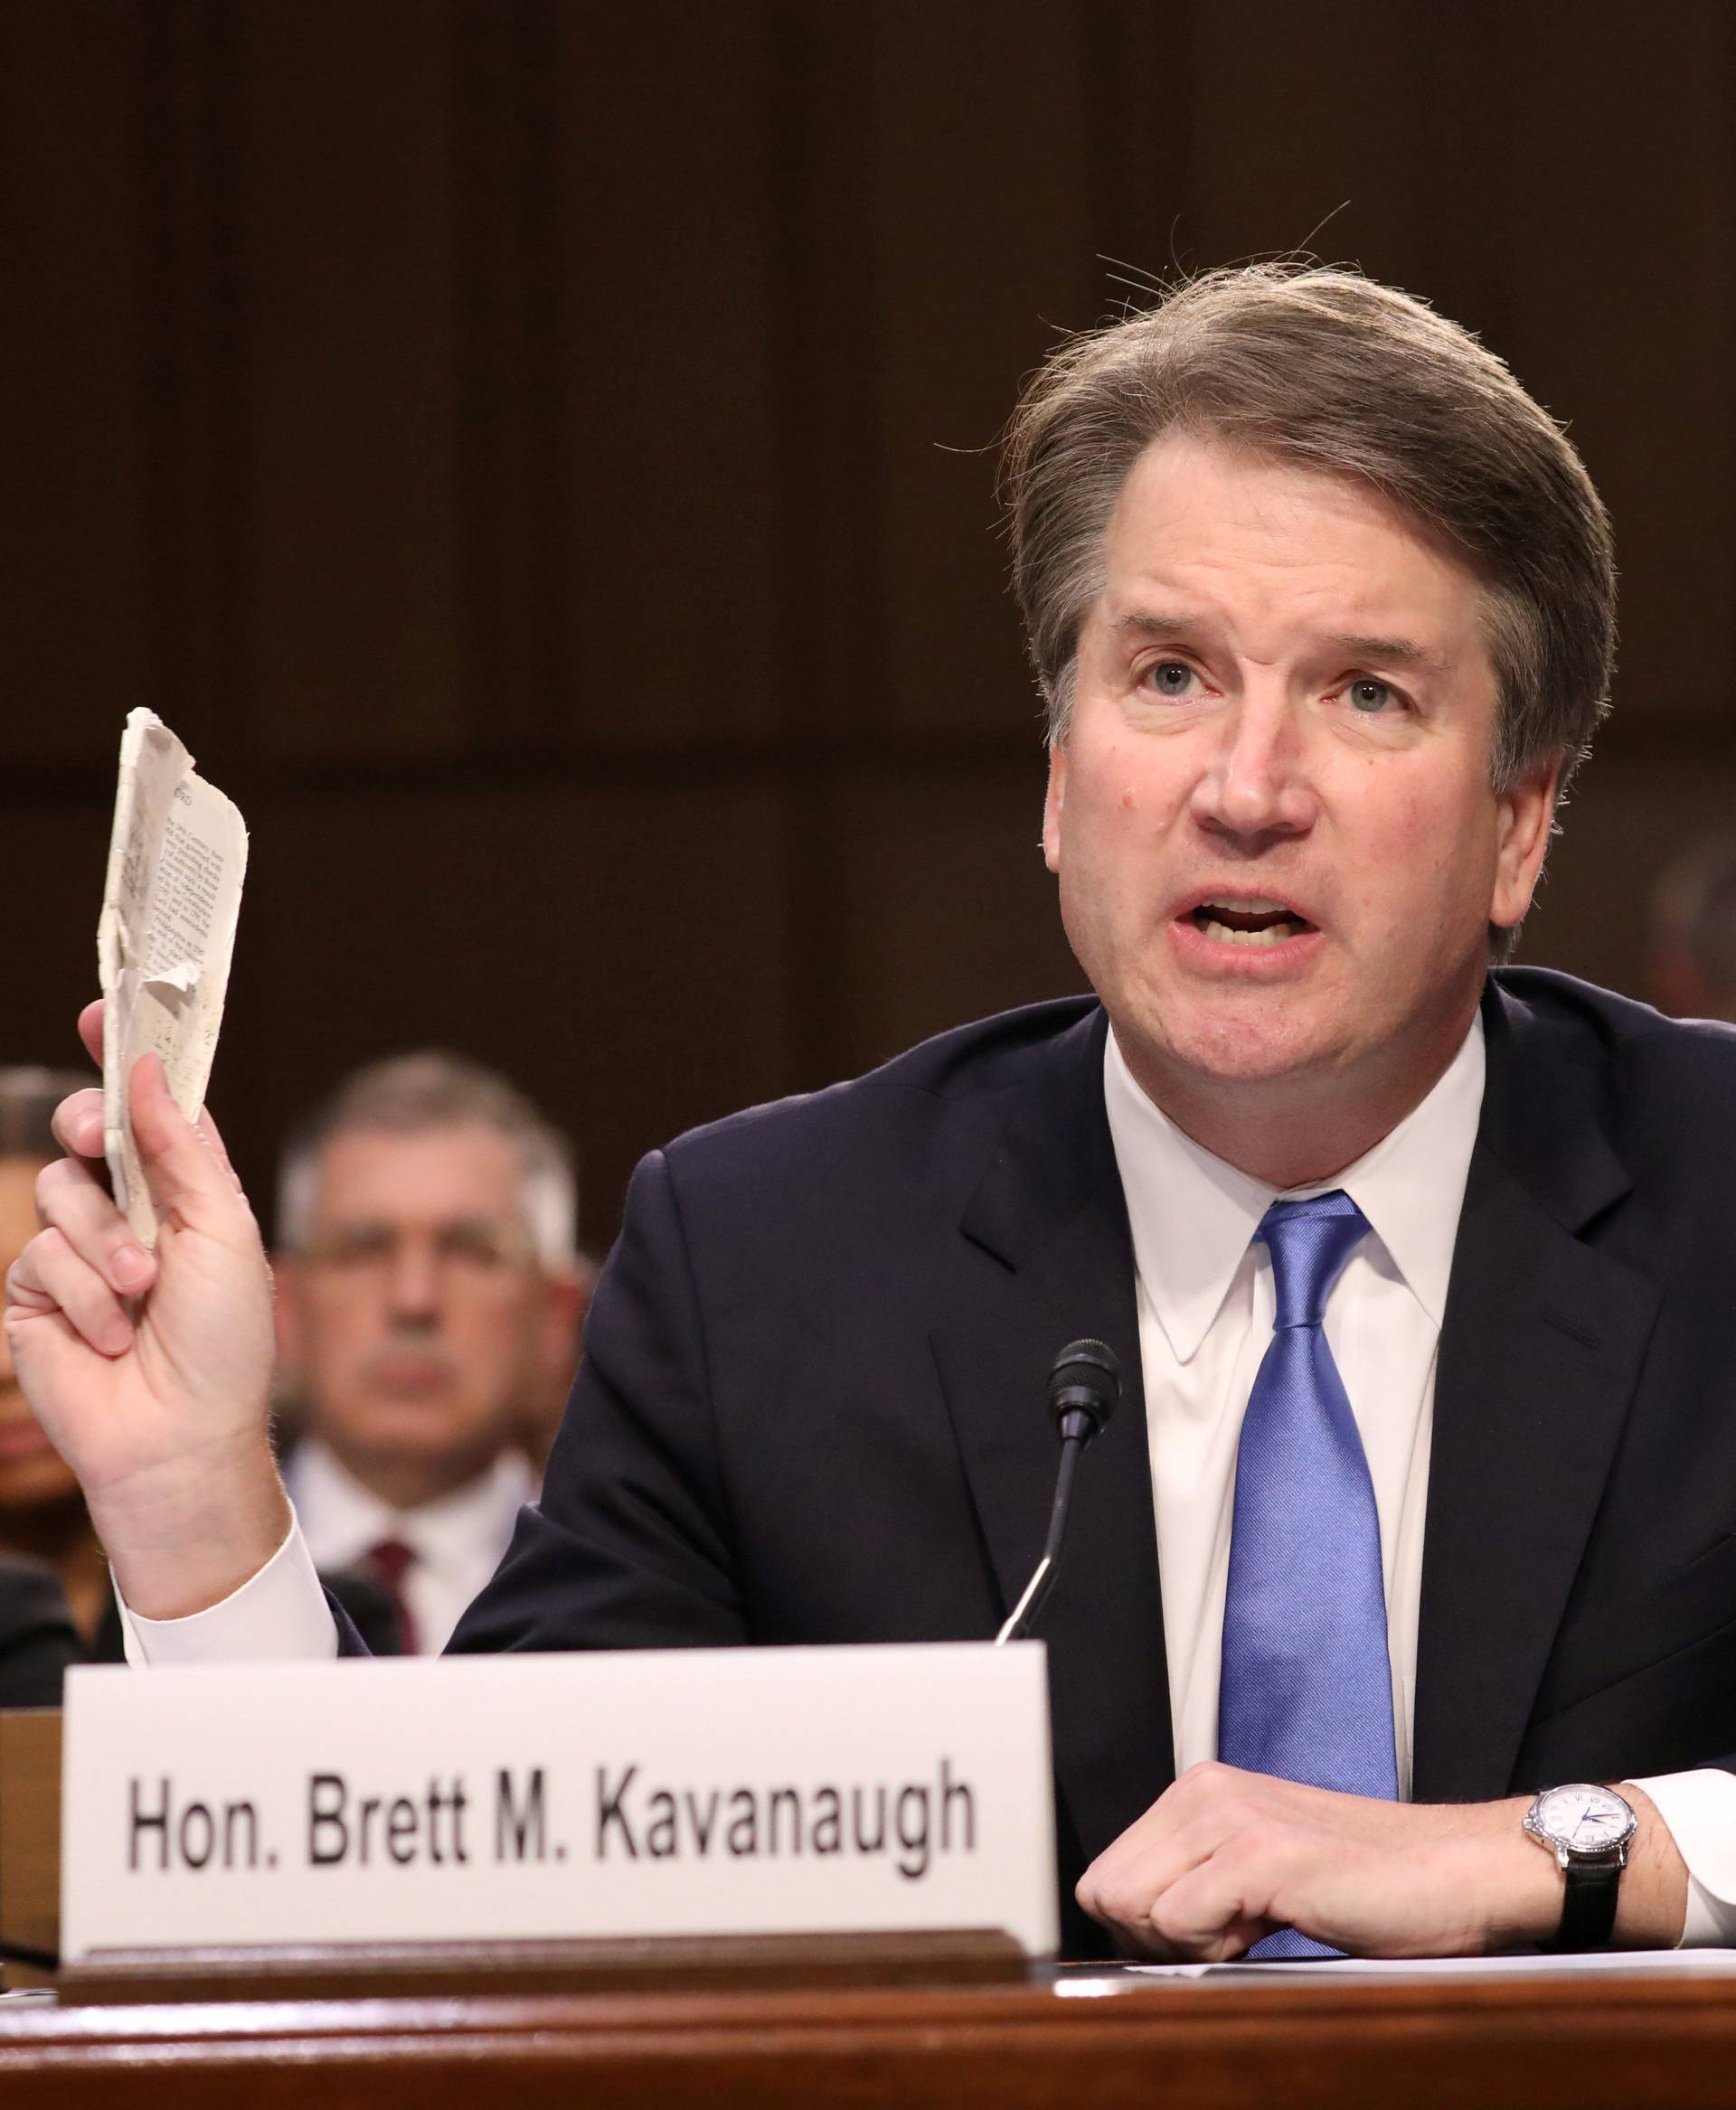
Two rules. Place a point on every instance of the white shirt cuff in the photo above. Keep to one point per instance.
(1700, 1809)
(277, 1616)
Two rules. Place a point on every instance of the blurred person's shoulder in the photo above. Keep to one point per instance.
(38, 1641)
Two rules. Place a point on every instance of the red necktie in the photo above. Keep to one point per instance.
(387, 1563)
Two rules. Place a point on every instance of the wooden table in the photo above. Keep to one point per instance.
(1623, 2043)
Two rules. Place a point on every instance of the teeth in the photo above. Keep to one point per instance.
(1251, 908)
(1275, 934)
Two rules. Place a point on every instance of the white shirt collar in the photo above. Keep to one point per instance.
(1193, 1216)
(342, 1519)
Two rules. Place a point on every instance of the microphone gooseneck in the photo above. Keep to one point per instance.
(1083, 1387)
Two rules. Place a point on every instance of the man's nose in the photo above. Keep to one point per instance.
(413, 1285)
(1257, 782)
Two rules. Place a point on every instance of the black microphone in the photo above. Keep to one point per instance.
(1083, 1388)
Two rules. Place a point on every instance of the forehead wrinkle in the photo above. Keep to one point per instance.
(1389, 650)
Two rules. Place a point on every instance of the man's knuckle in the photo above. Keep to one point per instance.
(72, 1116)
(1168, 1922)
(1123, 1901)
(1206, 1781)
(1088, 1885)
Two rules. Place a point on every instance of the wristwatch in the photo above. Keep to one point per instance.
(1589, 1829)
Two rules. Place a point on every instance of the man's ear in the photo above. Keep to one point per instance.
(566, 1299)
(1054, 800)
(1524, 814)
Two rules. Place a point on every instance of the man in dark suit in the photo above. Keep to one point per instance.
(749, 1455)
(1322, 605)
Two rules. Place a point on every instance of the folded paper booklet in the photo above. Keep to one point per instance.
(177, 859)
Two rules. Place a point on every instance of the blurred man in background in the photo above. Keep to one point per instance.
(56, 1602)
(429, 1292)
(1691, 951)
(43, 1516)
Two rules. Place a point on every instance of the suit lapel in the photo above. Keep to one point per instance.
(1540, 1352)
(1044, 1258)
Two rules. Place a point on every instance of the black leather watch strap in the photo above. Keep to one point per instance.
(1588, 1906)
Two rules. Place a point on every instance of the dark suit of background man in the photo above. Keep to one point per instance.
(1322, 606)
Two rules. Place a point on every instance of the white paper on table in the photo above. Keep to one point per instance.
(177, 859)
(1326, 1971)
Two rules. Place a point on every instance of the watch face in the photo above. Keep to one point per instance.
(1584, 1819)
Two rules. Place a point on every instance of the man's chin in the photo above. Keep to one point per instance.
(410, 1427)
(1243, 1041)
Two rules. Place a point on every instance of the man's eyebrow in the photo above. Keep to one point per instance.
(1388, 652)
(1350, 644)
(1148, 625)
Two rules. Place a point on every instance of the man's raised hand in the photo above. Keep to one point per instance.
(152, 1374)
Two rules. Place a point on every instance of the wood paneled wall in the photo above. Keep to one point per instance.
(537, 455)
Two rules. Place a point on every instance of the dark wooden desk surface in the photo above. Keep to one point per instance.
(1657, 2043)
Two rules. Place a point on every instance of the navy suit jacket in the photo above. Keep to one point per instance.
(811, 1407)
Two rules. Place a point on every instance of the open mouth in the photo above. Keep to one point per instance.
(1249, 923)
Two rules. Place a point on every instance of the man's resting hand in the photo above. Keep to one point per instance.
(1224, 1857)
(152, 1374)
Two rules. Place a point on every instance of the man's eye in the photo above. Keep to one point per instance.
(1171, 677)
(472, 1245)
(1369, 696)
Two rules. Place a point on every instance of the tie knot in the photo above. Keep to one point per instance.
(388, 1561)
(1309, 1241)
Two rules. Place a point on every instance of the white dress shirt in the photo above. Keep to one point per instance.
(280, 1615)
(455, 1542)
(1205, 1310)
(1205, 1304)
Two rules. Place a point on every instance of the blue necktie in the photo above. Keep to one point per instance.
(1306, 1690)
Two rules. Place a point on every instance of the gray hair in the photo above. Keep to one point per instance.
(1323, 369)
(409, 1095)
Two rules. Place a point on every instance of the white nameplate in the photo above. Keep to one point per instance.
(701, 1791)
